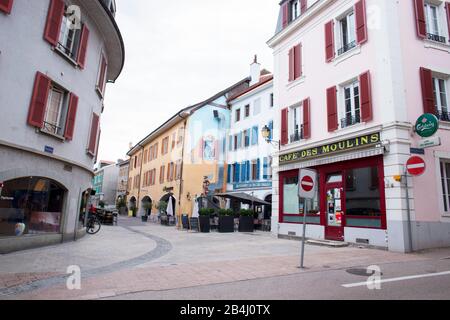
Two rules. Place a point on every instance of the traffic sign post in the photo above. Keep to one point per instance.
(415, 166)
(307, 190)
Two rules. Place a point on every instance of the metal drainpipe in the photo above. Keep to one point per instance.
(182, 164)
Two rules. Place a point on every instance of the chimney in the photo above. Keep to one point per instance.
(255, 71)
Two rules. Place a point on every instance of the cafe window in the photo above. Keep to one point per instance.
(445, 179)
(293, 207)
(31, 206)
(363, 198)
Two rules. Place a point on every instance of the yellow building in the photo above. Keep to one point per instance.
(173, 161)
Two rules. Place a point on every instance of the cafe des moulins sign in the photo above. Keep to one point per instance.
(332, 148)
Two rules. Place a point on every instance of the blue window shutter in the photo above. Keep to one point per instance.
(239, 140)
(258, 169)
(255, 135)
(271, 130)
(229, 174)
(266, 163)
(238, 172)
(243, 172)
(248, 170)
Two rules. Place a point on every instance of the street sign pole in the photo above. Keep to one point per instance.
(302, 260)
(408, 208)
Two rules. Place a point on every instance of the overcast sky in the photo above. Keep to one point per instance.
(179, 53)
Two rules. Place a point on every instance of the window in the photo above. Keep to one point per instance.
(162, 174)
(247, 111)
(362, 198)
(295, 9)
(271, 100)
(267, 169)
(37, 207)
(270, 125)
(352, 107)
(178, 170)
(433, 24)
(69, 39)
(180, 136)
(255, 166)
(347, 33)
(293, 208)
(440, 98)
(231, 141)
(170, 172)
(174, 139)
(54, 112)
(238, 115)
(236, 176)
(145, 156)
(445, 178)
(155, 151)
(255, 134)
(296, 126)
(246, 138)
(165, 146)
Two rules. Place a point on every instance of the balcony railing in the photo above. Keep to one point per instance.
(437, 38)
(350, 121)
(297, 136)
(51, 128)
(443, 115)
(347, 47)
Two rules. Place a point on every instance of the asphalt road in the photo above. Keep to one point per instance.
(428, 284)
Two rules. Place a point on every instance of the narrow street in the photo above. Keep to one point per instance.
(148, 261)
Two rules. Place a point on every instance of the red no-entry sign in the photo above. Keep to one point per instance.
(416, 166)
(307, 183)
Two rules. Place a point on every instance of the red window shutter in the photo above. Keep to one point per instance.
(303, 6)
(332, 109)
(39, 98)
(6, 6)
(306, 118)
(361, 23)
(285, 13)
(284, 126)
(71, 117)
(421, 24)
(54, 20)
(426, 78)
(447, 7)
(102, 77)
(98, 144)
(291, 64)
(298, 61)
(94, 133)
(329, 41)
(366, 97)
(81, 59)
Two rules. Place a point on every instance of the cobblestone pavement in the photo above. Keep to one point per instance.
(148, 257)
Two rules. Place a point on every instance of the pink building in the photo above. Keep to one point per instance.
(351, 78)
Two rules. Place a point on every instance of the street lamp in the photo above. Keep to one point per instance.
(266, 133)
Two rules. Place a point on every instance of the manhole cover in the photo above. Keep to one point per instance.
(360, 272)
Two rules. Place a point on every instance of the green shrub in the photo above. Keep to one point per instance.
(226, 212)
(204, 212)
(246, 213)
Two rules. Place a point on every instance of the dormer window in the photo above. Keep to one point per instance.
(295, 9)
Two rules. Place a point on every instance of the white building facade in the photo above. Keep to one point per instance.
(249, 157)
(351, 79)
(56, 57)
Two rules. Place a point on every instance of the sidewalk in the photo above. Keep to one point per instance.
(191, 259)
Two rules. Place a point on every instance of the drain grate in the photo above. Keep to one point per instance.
(360, 272)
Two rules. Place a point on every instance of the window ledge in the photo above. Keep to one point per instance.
(430, 44)
(445, 125)
(66, 57)
(296, 82)
(347, 55)
(54, 135)
(351, 128)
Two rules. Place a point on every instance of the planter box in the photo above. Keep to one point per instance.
(205, 225)
(226, 224)
(246, 224)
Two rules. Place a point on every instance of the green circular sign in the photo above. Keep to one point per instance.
(427, 125)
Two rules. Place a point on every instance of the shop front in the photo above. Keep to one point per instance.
(349, 203)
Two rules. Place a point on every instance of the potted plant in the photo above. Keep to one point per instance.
(246, 223)
(162, 209)
(205, 225)
(147, 206)
(226, 220)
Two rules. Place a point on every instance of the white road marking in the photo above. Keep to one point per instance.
(416, 166)
(304, 183)
(363, 284)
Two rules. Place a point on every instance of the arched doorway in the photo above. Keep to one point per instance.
(268, 208)
(169, 197)
(31, 206)
(147, 205)
(133, 206)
